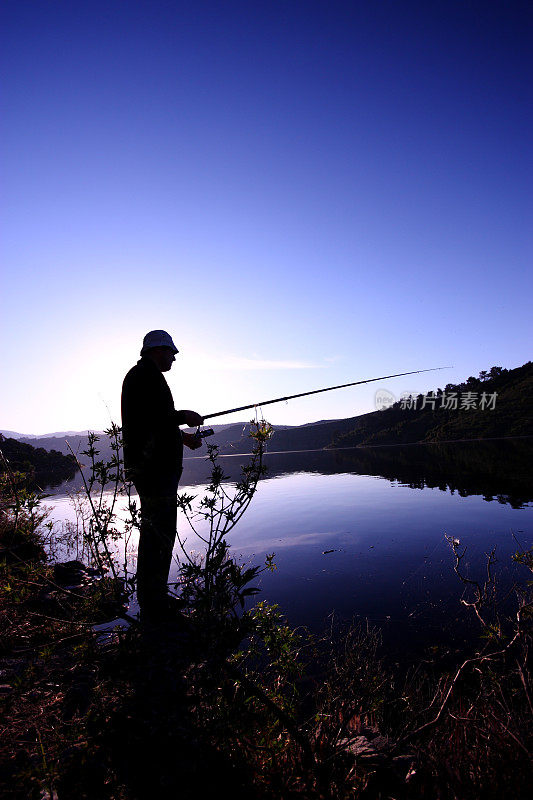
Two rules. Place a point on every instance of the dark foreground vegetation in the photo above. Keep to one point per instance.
(221, 699)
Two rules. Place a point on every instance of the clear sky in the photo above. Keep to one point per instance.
(302, 192)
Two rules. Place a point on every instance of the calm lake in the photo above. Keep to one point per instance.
(360, 532)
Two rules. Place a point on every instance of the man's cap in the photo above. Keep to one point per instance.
(158, 339)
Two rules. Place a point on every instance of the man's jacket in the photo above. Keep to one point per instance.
(153, 447)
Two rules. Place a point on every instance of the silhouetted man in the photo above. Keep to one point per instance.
(153, 454)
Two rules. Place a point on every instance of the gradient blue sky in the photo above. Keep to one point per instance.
(303, 193)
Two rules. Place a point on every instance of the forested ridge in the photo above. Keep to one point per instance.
(36, 462)
(495, 404)
(506, 410)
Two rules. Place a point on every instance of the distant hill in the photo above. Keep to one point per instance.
(15, 435)
(224, 435)
(39, 464)
(302, 437)
(56, 434)
(430, 421)
(78, 442)
(508, 400)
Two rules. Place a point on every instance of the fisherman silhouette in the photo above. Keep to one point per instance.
(153, 455)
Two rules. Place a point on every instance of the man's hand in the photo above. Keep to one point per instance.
(192, 440)
(192, 419)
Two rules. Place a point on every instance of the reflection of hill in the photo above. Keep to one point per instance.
(496, 470)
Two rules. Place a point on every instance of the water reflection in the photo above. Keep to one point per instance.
(498, 470)
(354, 534)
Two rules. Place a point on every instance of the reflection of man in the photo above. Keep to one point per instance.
(153, 453)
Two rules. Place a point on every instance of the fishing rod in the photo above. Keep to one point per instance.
(315, 391)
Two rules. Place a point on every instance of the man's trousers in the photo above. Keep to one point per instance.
(156, 543)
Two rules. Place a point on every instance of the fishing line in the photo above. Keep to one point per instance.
(423, 564)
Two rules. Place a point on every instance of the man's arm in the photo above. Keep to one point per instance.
(190, 418)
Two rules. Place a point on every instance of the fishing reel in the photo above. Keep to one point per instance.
(204, 433)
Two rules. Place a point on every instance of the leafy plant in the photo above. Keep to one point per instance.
(214, 586)
(102, 528)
